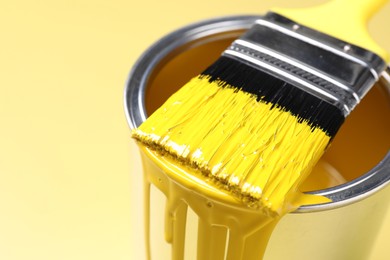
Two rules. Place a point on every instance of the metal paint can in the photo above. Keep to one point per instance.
(343, 229)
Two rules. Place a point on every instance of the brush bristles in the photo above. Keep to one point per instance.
(258, 150)
(316, 112)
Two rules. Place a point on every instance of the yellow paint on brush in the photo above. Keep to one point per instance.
(258, 154)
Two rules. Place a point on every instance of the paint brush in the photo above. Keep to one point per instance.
(257, 120)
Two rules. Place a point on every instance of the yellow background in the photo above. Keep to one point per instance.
(66, 158)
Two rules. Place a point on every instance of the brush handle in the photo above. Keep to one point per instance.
(344, 19)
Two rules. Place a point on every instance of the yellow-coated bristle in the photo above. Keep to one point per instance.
(258, 152)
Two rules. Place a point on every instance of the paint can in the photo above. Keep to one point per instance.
(354, 172)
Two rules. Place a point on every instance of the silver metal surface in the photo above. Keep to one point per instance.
(160, 53)
(385, 78)
(333, 70)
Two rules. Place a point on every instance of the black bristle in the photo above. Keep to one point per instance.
(279, 93)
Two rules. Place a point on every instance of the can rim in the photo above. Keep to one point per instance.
(135, 88)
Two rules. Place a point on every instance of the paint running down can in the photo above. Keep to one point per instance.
(354, 173)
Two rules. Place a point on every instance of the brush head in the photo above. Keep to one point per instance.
(246, 131)
(257, 120)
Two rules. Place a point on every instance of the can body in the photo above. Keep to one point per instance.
(354, 173)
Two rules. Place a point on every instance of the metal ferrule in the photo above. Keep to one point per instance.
(328, 68)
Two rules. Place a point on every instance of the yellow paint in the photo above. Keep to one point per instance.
(259, 154)
(333, 19)
(208, 143)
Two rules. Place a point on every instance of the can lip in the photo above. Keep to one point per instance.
(135, 110)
